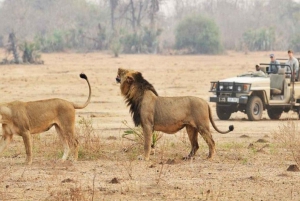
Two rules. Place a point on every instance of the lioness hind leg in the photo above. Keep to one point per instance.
(76, 148)
(205, 133)
(28, 146)
(193, 136)
(62, 135)
(6, 137)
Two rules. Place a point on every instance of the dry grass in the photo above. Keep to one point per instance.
(287, 136)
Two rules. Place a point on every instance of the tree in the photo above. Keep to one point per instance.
(199, 35)
(113, 5)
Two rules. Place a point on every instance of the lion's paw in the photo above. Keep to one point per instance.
(140, 157)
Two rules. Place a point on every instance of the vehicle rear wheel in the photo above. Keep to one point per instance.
(274, 113)
(223, 113)
(254, 108)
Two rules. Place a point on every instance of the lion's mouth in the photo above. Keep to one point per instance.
(118, 79)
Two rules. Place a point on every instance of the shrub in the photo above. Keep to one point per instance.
(259, 39)
(116, 46)
(1, 41)
(199, 35)
(143, 41)
(31, 53)
(51, 43)
(288, 137)
(295, 42)
(89, 142)
(137, 133)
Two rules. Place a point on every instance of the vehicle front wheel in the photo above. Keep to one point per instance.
(254, 108)
(223, 113)
(274, 113)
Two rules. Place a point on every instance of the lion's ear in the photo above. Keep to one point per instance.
(129, 79)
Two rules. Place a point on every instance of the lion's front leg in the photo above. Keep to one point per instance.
(147, 130)
(193, 136)
(28, 146)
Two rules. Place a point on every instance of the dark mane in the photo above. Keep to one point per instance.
(135, 100)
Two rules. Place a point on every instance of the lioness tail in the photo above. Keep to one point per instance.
(231, 127)
(78, 106)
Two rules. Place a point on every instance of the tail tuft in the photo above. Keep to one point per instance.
(83, 76)
(231, 127)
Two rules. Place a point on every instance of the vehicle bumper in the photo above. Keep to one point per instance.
(240, 100)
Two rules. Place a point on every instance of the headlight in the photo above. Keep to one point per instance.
(243, 88)
(239, 88)
(246, 87)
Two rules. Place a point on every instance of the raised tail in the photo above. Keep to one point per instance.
(79, 106)
(231, 127)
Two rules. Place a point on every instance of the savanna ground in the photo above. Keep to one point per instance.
(250, 164)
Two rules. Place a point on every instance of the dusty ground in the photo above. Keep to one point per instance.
(239, 171)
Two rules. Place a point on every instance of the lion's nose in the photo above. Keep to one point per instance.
(118, 80)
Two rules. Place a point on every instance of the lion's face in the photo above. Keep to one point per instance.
(125, 78)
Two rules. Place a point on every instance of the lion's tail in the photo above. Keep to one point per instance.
(78, 106)
(231, 127)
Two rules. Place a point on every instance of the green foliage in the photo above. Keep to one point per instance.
(137, 133)
(60, 40)
(144, 41)
(259, 39)
(51, 43)
(295, 42)
(116, 46)
(31, 52)
(198, 34)
(1, 41)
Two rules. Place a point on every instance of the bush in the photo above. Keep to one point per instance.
(295, 42)
(116, 46)
(144, 41)
(288, 137)
(54, 42)
(1, 41)
(198, 34)
(259, 39)
(137, 133)
(31, 53)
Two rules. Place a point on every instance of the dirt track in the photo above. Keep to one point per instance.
(239, 171)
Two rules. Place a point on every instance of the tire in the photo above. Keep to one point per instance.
(254, 108)
(223, 113)
(274, 113)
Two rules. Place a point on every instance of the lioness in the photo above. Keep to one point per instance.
(25, 118)
(166, 114)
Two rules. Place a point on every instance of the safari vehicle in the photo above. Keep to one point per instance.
(252, 93)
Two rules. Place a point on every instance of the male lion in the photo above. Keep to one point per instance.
(166, 114)
(25, 118)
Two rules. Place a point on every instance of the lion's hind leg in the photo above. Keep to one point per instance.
(28, 146)
(193, 136)
(62, 135)
(6, 137)
(67, 136)
(205, 133)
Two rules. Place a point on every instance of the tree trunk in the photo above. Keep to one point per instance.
(133, 20)
(12, 40)
(113, 6)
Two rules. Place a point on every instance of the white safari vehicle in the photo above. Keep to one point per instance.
(252, 93)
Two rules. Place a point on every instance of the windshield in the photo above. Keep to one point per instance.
(253, 74)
